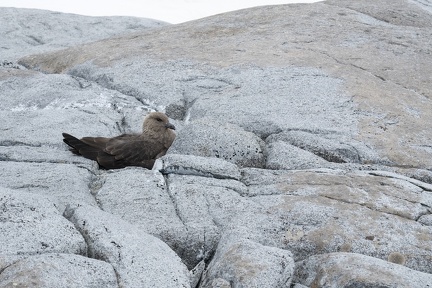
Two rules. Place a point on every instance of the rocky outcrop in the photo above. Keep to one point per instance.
(302, 157)
(30, 31)
(354, 270)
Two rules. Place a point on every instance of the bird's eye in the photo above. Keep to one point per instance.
(159, 119)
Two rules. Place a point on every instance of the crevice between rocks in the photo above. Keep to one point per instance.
(117, 275)
(413, 181)
(95, 184)
(363, 69)
(6, 159)
(105, 81)
(333, 156)
(181, 170)
(11, 65)
(173, 200)
(357, 159)
(181, 110)
(188, 107)
(122, 126)
(67, 214)
(7, 266)
(425, 213)
(10, 143)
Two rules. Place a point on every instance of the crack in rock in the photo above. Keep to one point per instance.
(173, 200)
(67, 214)
(97, 180)
(18, 143)
(418, 183)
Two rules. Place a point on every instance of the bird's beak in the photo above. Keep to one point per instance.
(170, 126)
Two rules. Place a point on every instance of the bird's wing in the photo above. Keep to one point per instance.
(129, 151)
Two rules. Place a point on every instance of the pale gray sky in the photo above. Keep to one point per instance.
(172, 11)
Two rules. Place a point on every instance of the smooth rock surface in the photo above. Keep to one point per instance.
(303, 134)
(32, 31)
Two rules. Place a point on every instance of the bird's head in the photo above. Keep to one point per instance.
(157, 122)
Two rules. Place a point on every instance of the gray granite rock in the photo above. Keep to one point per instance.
(31, 31)
(329, 212)
(244, 263)
(58, 270)
(31, 224)
(319, 115)
(281, 155)
(52, 104)
(426, 219)
(297, 285)
(267, 78)
(258, 99)
(330, 148)
(141, 197)
(139, 259)
(220, 140)
(196, 273)
(175, 208)
(204, 206)
(199, 166)
(54, 181)
(355, 270)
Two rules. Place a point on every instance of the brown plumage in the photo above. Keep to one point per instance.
(127, 149)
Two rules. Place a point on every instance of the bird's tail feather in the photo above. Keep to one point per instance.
(81, 148)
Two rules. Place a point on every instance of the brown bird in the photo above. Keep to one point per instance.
(127, 149)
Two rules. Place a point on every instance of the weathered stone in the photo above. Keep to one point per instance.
(426, 220)
(244, 263)
(43, 154)
(54, 181)
(139, 259)
(221, 140)
(254, 46)
(140, 196)
(297, 285)
(355, 270)
(72, 105)
(199, 166)
(220, 283)
(281, 155)
(331, 150)
(58, 270)
(196, 273)
(51, 30)
(339, 88)
(311, 212)
(205, 206)
(31, 224)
